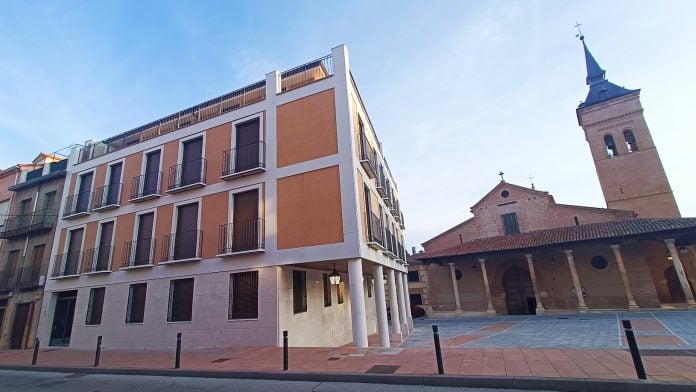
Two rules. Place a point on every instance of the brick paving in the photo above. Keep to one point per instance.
(495, 346)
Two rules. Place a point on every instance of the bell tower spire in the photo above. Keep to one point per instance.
(628, 166)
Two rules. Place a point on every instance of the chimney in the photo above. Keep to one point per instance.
(413, 250)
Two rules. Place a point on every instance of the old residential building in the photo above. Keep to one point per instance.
(26, 235)
(523, 253)
(270, 208)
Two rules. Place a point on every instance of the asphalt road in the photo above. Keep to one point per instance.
(63, 382)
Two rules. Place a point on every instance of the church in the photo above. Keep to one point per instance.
(524, 253)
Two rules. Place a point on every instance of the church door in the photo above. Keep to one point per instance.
(519, 292)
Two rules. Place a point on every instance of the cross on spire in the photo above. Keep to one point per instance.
(531, 179)
(501, 176)
(579, 34)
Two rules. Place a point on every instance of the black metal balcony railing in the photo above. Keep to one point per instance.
(29, 276)
(77, 204)
(7, 278)
(249, 159)
(146, 185)
(187, 174)
(402, 223)
(375, 229)
(390, 243)
(67, 264)
(41, 220)
(182, 246)
(368, 156)
(107, 196)
(241, 237)
(97, 259)
(381, 182)
(139, 253)
(306, 73)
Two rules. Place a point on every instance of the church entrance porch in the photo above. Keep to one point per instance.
(519, 292)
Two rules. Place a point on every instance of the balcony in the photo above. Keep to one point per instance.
(381, 182)
(67, 265)
(77, 205)
(241, 238)
(390, 248)
(215, 107)
(306, 73)
(146, 187)
(182, 247)
(139, 254)
(401, 220)
(388, 197)
(106, 198)
(35, 222)
(97, 260)
(187, 175)
(375, 235)
(368, 157)
(244, 160)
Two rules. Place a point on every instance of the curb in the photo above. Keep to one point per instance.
(519, 383)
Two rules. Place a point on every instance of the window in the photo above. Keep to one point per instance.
(244, 295)
(180, 300)
(577, 221)
(339, 292)
(95, 306)
(368, 283)
(83, 193)
(12, 259)
(416, 299)
(142, 249)
(4, 209)
(413, 276)
(631, 143)
(136, 303)
(510, 224)
(611, 146)
(185, 241)
(49, 199)
(599, 263)
(151, 179)
(327, 290)
(114, 186)
(505, 194)
(458, 274)
(299, 291)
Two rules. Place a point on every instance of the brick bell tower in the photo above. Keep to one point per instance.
(628, 165)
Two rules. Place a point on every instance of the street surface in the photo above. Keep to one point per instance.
(62, 382)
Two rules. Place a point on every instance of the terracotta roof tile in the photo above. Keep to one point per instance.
(563, 235)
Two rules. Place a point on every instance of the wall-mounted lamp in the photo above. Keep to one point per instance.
(334, 277)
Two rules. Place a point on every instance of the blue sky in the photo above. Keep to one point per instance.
(456, 90)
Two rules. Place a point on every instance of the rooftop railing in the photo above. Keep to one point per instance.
(226, 103)
(306, 73)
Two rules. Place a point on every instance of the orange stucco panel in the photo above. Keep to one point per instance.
(131, 169)
(125, 225)
(306, 129)
(213, 214)
(90, 236)
(61, 243)
(309, 209)
(217, 140)
(170, 157)
(99, 178)
(163, 226)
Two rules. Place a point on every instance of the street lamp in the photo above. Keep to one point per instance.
(334, 277)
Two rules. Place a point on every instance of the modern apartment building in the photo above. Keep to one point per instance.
(268, 209)
(32, 193)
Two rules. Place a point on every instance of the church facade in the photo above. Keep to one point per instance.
(523, 253)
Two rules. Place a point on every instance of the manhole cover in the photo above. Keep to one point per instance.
(382, 369)
(220, 360)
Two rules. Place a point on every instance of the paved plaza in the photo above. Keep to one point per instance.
(573, 346)
(654, 330)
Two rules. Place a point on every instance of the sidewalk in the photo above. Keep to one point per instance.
(487, 362)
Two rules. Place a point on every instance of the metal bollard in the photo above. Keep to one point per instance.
(633, 346)
(177, 361)
(97, 354)
(285, 351)
(35, 357)
(438, 350)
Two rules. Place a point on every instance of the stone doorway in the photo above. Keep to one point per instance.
(519, 292)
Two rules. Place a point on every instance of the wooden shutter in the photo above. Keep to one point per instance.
(114, 181)
(247, 146)
(186, 241)
(83, 193)
(191, 163)
(152, 168)
(104, 250)
(144, 240)
(181, 300)
(244, 295)
(73, 255)
(245, 214)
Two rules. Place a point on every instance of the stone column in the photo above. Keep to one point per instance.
(530, 264)
(407, 301)
(576, 281)
(680, 273)
(393, 305)
(402, 303)
(632, 305)
(490, 310)
(357, 303)
(455, 287)
(381, 306)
